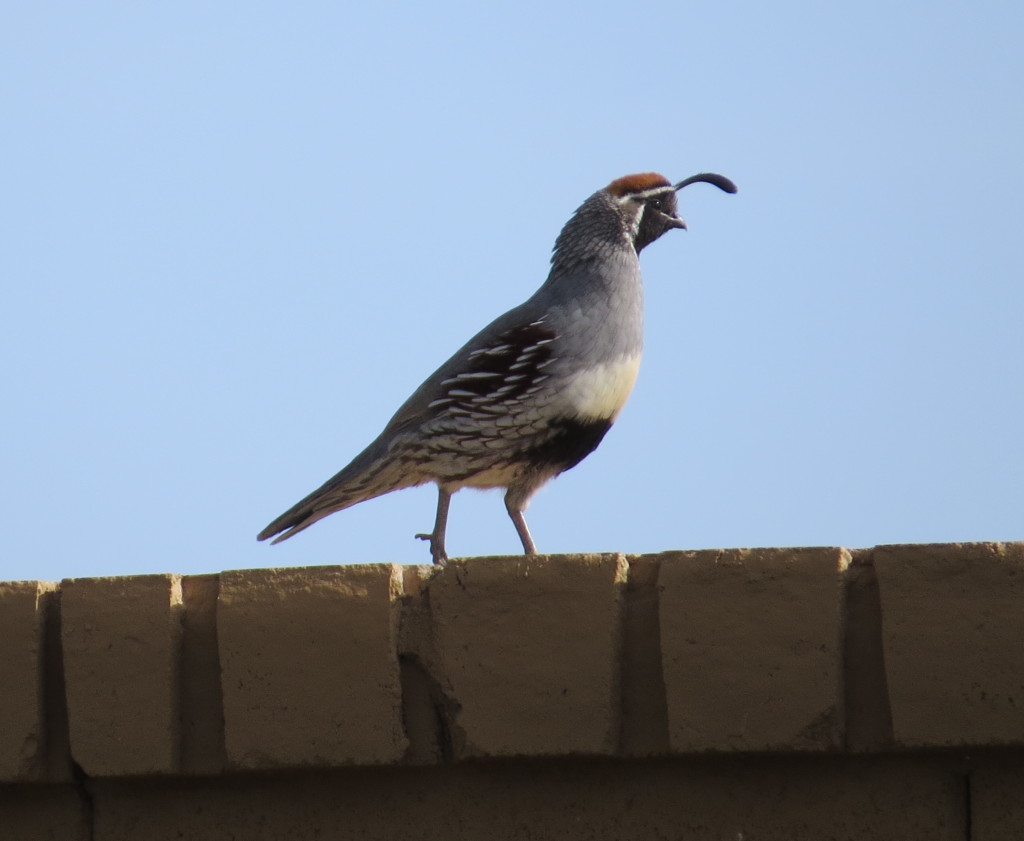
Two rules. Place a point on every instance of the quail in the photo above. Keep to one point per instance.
(534, 392)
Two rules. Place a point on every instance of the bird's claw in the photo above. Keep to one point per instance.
(439, 555)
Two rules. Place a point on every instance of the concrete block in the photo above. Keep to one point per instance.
(751, 649)
(43, 813)
(953, 636)
(309, 666)
(121, 648)
(22, 748)
(997, 800)
(529, 650)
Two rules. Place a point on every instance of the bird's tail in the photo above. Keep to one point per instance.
(372, 473)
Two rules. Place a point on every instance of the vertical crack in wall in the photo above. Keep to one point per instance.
(83, 786)
(865, 686)
(56, 725)
(56, 738)
(201, 702)
(644, 708)
(428, 712)
(426, 715)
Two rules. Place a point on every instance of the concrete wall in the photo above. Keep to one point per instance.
(743, 694)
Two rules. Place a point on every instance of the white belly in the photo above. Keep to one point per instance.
(599, 393)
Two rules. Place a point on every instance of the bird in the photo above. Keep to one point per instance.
(536, 390)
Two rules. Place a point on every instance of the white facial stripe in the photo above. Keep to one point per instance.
(599, 393)
(638, 199)
(646, 194)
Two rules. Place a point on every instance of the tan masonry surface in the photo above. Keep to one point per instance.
(810, 693)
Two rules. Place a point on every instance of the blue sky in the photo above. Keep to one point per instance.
(236, 236)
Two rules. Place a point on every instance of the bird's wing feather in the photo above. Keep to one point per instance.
(377, 470)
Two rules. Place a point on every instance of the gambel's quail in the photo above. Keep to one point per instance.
(535, 391)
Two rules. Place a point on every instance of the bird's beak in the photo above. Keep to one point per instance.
(676, 222)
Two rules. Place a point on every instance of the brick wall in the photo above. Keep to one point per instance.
(743, 694)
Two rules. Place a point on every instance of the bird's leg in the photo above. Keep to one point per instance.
(515, 511)
(436, 537)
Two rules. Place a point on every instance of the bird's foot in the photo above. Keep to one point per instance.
(436, 549)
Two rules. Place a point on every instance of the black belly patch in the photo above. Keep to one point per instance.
(571, 442)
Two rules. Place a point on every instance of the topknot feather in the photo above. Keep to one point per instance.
(639, 183)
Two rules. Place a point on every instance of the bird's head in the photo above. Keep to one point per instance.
(630, 213)
(646, 203)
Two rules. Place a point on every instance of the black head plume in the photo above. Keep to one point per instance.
(720, 181)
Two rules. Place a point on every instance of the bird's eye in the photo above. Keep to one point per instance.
(657, 203)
